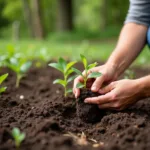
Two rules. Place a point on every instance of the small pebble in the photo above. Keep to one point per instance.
(21, 96)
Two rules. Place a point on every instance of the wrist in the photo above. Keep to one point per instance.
(144, 89)
(113, 68)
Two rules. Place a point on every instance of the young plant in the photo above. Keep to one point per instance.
(86, 76)
(2, 78)
(18, 137)
(66, 69)
(20, 67)
(129, 74)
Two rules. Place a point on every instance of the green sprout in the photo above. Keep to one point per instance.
(129, 74)
(2, 78)
(18, 136)
(20, 66)
(66, 69)
(86, 76)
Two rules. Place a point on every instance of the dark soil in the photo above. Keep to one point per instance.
(39, 109)
(89, 113)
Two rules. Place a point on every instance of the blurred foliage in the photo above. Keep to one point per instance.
(47, 50)
(87, 15)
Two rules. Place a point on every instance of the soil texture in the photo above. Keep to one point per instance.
(39, 109)
(89, 113)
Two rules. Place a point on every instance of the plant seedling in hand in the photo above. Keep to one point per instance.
(20, 67)
(86, 76)
(18, 136)
(66, 69)
(2, 78)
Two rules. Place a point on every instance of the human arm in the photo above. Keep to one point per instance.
(131, 41)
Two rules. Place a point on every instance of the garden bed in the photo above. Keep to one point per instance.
(40, 110)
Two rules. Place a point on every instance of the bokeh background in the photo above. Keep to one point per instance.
(54, 28)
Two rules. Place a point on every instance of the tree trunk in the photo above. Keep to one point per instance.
(104, 14)
(37, 21)
(65, 15)
(28, 17)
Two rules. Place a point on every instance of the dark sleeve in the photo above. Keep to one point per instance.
(139, 12)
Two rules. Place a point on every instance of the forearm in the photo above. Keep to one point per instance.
(131, 42)
(144, 85)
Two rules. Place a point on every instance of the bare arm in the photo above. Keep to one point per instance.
(131, 42)
(144, 84)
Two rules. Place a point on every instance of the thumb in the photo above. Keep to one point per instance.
(107, 88)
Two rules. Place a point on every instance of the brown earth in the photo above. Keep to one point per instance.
(89, 113)
(39, 109)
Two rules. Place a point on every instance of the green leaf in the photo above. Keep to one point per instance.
(70, 64)
(15, 132)
(69, 91)
(60, 81)
(56, 66)
(69, 72)
(63, 63)
(3, 77)
(92, 65)
(22, 137)
(77, 71)
(3, 89)
(83, 58)
(25, 67)
(80, 85)
(94, 75)
(71, 78)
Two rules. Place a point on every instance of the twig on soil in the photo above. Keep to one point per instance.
(81, 139)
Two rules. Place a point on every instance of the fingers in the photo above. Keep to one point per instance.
(100, 99)
(76, 91)
(112, 106)
(107, 88)
(98, 83)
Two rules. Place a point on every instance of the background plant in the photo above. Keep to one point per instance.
(129, 74)
(66, 69)
(2, 78)
(16, 62)
(18, 136)
(86, 76)
(20, 67)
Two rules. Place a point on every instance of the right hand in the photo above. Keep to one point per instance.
(108, 74)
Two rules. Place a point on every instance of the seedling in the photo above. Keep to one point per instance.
(18, 137)
(20, 67)
(86, 76)
(66, 69)
(2, 78)
(129, 74)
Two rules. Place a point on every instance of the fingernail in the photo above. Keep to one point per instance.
(76, 95)
(85, 101)
(93, 88)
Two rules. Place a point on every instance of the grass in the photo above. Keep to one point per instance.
(98, 50)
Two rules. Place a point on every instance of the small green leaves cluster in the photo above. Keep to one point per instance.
(18, 136)
(2, 78)
(86, 76)
(16, 62)
(66, 69)
(20, 67)
(129, 74)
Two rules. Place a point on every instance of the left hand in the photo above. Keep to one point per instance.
(118, 95)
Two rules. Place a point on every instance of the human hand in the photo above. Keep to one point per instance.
(118, 95)
(108, 74)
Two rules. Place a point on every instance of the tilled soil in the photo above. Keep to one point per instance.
(40, 110)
